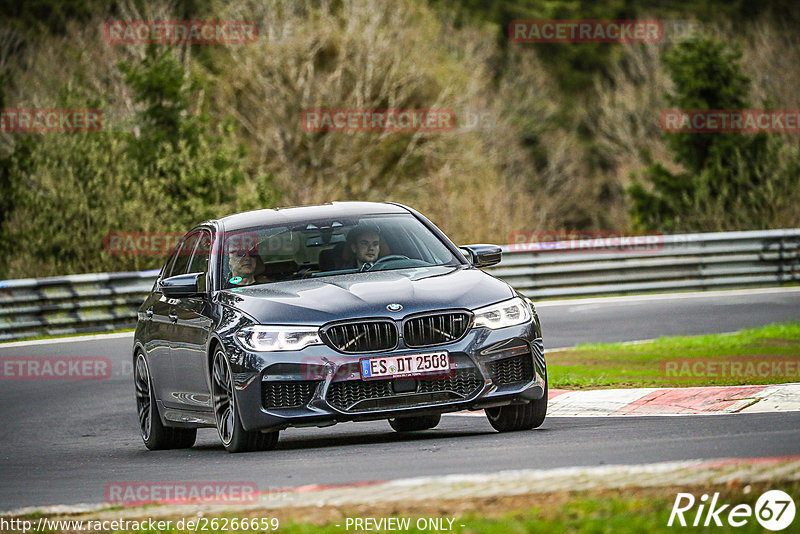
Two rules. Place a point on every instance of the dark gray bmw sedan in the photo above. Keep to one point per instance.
(311, 316)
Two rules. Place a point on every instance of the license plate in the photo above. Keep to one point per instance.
(407, 365)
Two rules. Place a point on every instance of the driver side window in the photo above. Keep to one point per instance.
(179, 262)
(202, 253)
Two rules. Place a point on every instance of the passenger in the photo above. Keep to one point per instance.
(244, 268)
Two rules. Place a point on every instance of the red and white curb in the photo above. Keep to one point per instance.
(671, 401)
(503, 483)
(524, 481)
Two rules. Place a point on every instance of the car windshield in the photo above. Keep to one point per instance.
(328, 247)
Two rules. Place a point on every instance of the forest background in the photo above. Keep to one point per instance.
(548, 136)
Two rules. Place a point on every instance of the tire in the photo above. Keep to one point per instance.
(518, 416)
(410, 424)
(229, 426)
(155, 435)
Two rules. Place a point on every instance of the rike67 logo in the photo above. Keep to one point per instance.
(774, 510)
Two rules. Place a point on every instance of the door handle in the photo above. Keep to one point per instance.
(149, 313)
(173, 317)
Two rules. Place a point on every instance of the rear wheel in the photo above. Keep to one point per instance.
(155, 435)
(410, 424)
(518, 416)
(233, 435)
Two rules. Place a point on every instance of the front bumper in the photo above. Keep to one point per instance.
(319, 386)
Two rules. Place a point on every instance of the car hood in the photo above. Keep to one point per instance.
(324, 299)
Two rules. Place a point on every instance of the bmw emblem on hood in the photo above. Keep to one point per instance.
(394, 307)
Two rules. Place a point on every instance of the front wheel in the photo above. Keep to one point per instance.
(410, 424)
(233, 435)
(518, 416)
(155, 435)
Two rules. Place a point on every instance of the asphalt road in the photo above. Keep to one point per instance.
(63, 441)
(569, 322)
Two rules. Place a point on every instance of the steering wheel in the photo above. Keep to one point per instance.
(390, 257)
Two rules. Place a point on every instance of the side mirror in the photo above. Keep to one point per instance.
(182, 285)
(482, 255)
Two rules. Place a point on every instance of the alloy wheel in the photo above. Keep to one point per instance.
(224, 400)
(143, 396)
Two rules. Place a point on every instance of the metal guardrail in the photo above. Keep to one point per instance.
(101, 302)
(668, 263)
(72, 304)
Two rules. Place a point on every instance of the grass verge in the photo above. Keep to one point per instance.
(766, 355)
(619, 511)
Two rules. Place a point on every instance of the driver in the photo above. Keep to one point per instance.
(365, 243)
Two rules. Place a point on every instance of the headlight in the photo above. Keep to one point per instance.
(273, 338)
(508, 313)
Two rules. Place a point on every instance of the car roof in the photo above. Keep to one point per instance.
(300, 214)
